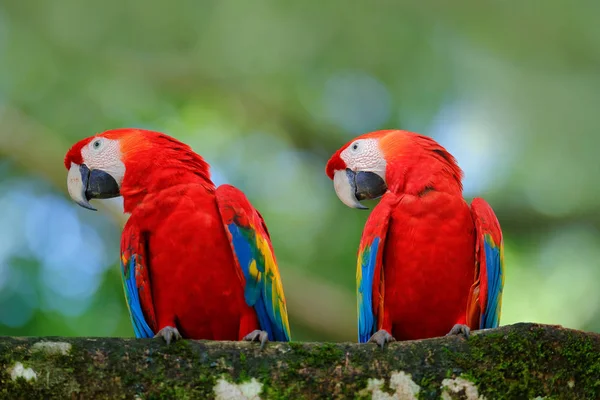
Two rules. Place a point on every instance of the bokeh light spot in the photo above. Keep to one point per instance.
(356, 102)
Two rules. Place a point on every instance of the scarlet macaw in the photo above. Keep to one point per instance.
(428, 264)
(196, 260)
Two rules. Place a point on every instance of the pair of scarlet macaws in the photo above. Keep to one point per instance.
(197, 261)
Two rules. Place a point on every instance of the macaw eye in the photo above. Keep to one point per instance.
(355, 146)
(96, 144)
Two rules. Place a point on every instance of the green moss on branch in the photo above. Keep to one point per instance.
(517, 361)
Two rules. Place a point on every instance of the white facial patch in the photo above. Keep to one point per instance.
(364, 155)
(104, 154)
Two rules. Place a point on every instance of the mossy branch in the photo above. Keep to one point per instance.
(521, 361)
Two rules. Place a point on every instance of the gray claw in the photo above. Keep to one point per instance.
(258, 336)
(381, 337)
(459, 330)
(169, 334)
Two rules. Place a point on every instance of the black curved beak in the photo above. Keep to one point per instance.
(368, 185)
(351, 187)
(85, 184)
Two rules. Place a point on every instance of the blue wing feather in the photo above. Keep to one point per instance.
(366, 320)
(485, 298)
(245, 255)
(258, 286)
(251, 245)
(493, 261)
(140, 326)
(370, 271)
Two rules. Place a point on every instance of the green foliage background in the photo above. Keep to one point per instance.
(266, 91)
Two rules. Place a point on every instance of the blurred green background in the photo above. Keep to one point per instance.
(266, 91)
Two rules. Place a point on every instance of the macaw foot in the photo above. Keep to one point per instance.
(169, 334)
(459, 330)
(381, 337)
(257, 336)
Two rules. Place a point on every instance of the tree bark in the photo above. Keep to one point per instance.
(521, 361)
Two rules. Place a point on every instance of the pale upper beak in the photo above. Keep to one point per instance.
(351, 187)
(85, 184)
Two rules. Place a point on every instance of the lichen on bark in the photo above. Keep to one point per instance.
(517, 361)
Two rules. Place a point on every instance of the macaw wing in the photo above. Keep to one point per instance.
(485, 299)
(257, 267)
(369, 271)
(136, 282)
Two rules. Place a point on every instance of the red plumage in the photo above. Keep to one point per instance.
(187, 275)
(193, 277)
(429, 271)
(429, 263)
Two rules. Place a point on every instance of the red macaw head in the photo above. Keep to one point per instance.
(373, 163)
(124, 162)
